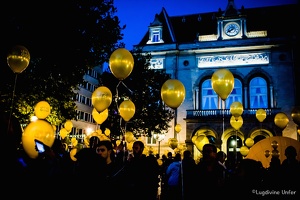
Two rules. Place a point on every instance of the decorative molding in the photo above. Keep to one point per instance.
(254, 34)
(157, 63)
(233, 60)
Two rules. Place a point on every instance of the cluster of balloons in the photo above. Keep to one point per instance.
(121, 64)
(68, 125)
(236, 110)
(39, 129)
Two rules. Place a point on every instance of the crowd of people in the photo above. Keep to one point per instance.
(99, 167)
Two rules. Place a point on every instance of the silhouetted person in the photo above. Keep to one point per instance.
(141, 174)
(248, 176)
(209, 172)
(273, 174)
(89, 163)
(10, 141)
(290, 168)
(188, 176)
(173, 179)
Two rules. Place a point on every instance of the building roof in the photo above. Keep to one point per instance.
(276, 20)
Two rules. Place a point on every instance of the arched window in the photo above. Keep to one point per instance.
(210, 97)
(258, 93)
(236, 94)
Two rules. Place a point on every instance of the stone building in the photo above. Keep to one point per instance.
(260, 50)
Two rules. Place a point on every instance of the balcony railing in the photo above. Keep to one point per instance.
(215, 113)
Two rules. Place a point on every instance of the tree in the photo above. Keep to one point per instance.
(65, 39)
(143, 88)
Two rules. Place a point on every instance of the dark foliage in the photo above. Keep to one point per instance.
(65, 39)
(143, 88)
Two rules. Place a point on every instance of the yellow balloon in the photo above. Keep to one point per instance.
(73, 153)
(42, 109)
(129, 146)
(63, 133)
(129, 137)
(127, 109)
(281, 120)
(296, 115)
(236, 109)
(74, 143)
(173, 93)
(18, 58)
(101, 98)
(40, 130)
(107, 132)
(244, 150)
(173, 143)
(261, 115)
(236, 124)
(178, 128)
(121, 63)
(160, 162)
(118, 142)
(68, 125)
(100, 117)
(222, 82)
(249, 142)
(200, 141)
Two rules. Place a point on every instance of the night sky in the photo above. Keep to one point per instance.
(138, 14)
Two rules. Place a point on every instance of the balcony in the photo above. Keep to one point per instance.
(219, 114)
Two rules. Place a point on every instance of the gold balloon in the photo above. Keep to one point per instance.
(121, 63)
(236, 124)
(42, 109)
(244, 150)
(249, 142)
(173, 93)
(18, 58)
(107, 132)
(261, 115)
(40, 130)
(101, 98)
(236, 109)
(222, 82)
(73, 153)
(178, 128)
(129, 137)
(118, 142)
(100, 117)
(200, 141)
(127, 109)
(63, 133)
(173, 143)
(68, 125)
(281, 120)
(296, 115)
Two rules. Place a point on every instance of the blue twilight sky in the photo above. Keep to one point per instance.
(138, 14)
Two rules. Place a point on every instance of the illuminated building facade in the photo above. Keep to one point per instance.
(253, 46)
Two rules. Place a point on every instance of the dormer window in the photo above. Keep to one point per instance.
(155, 35)
(155, 31)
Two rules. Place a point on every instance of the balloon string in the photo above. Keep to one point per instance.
(12, 103)
(223, 105)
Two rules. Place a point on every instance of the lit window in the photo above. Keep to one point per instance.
(258, 93)
(210, 97)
